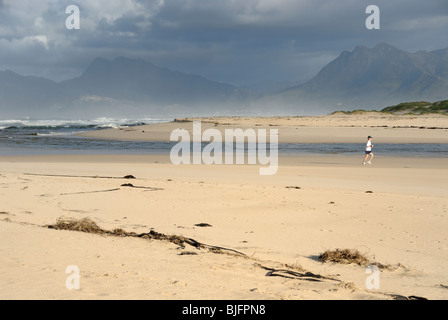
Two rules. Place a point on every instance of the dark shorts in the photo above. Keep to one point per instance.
(368, 152)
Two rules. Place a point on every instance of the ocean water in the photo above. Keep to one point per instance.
(47, 137)
(58, 137)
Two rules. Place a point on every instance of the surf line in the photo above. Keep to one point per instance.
(189, 149)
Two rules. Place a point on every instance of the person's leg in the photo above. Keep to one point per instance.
(371, 157)
(365, 158)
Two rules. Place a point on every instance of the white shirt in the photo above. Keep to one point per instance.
(369, 146)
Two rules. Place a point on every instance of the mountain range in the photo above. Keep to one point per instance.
(119, 87)
(372, 78)
(363, 78)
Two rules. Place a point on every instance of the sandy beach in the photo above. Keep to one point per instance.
(337, 128)
(270, 230)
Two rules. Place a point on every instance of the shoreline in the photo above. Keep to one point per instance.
(313, 129)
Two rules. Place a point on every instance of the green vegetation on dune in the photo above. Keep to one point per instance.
(408, 108)
(421, 107)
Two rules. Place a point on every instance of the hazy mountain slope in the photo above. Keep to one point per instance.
(121, 86)
(360, 79)
(373, 78)
(19, 94)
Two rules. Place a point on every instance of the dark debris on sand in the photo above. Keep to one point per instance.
(89, 226)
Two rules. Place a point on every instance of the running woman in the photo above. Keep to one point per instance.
(369, 147)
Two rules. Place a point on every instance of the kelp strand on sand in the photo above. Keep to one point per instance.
(290, 274)
(89, 226)
(127, 177)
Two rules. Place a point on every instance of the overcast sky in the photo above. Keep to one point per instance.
(233, 41)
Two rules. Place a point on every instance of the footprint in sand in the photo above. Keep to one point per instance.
(385, 226)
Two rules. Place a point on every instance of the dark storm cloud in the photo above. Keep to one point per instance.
(277, 38)
(232, 41)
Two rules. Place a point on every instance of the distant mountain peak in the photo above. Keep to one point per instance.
(99, 61)
(381, 48)
(360, 48)
(127, 61)
(375, 77)
(385, 46)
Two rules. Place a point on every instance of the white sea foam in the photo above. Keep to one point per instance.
(98, 123)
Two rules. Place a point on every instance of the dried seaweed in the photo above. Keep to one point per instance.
(89, 226)
(351, 256)
(345, 256)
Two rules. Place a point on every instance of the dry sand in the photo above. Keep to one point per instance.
(281, 222)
